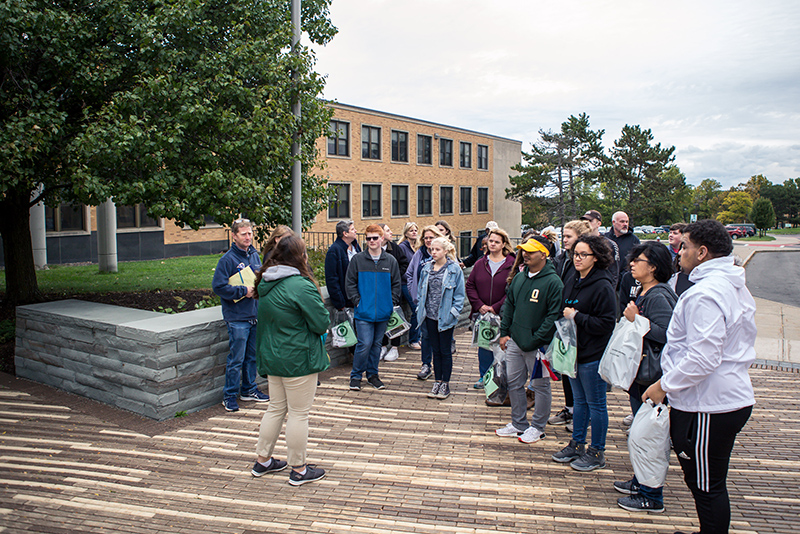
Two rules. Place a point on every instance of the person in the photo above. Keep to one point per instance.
(444, 228)
(373, 285)
(595, 221)
(710, 347)
(475, 253)
(651, 266)
(421, 257)
(337, 260)
(291, 352)
(408, 244)
(441, 297)
(486, 287)
(623, 236)
(589, 300)
(389, 350)
(239, 310)
(674, 238)
(274, 238)
(563, 264)
(532, 307)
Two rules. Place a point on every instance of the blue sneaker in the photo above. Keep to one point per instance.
(230, 405)
(254, 395)
(274, 466)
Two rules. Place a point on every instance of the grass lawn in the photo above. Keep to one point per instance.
(784, 231)
(757, 238)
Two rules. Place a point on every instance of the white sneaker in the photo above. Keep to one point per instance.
(628, 421)
(531, 435)
(392, 355)
(384, 350)
(508, 431)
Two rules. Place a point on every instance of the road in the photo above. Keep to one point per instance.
(775, 276)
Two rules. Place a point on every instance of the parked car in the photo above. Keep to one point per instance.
(747, 228)
(735, 232)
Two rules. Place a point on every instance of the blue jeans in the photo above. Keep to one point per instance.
(441, 349)
(654, 494)
(427, 352)
(241, 367)
(413, 332)
(589, 393)
(368, 348)
(485, 360)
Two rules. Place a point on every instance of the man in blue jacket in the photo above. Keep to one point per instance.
(239, 309)
(373, 285)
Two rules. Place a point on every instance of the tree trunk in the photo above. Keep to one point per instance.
(15, 220)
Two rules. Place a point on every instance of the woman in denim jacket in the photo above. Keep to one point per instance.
(441, 297)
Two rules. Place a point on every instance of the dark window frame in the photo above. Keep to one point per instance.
(483, 191)
(339, 142)
(55, 217)
(445, 152)
(370, 147)
(421, 199)
(461, 190)
(483, 157)
(399, 147)
(424, 153)
(443, 198)
(371, 198)
(336, 203)
(396, 200)
(464, 155)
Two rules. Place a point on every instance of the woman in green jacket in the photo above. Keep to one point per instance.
(290, 352)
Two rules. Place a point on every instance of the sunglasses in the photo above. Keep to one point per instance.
(372, 237)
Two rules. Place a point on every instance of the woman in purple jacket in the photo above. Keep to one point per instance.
(486, 286)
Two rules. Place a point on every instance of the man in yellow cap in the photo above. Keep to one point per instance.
(532, 306)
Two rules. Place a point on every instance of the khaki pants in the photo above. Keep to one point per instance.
(292, 395)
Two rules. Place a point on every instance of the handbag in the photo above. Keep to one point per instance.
(650, 366)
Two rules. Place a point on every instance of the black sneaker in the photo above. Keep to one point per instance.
(376, 382)
(640, 503)
(355, 384)
(571, 452)
(627, 487)
(434, 390)
(274, 466)
(425, 372)
(592, 459)
(444, 391)
(561, 418)
(312, 474)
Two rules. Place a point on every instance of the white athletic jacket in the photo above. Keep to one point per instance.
(710, 342)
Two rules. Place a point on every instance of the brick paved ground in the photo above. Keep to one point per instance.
(396, 461)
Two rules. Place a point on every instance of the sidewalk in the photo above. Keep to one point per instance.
(396, 462)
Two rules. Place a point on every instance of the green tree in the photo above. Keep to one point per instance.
(557, 172)
(785, 200)
(763, 215)
(667, 198)
(635, 165)
(184, 106)
(753, 186)
(703, 197)
(735, 208)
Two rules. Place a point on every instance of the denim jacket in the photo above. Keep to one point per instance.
(453, 295)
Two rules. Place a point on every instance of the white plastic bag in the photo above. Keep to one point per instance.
(562, 354)
(648, 444)
(397, 325)
(624, 352)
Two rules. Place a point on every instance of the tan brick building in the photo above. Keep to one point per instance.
(380, 168)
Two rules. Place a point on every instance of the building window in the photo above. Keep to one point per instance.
(370, 142)
(465, 155)
(483, 200)
(339, 202)
(135, 217)
(399, 201)
(400, 146)
(370, 201)
(483, 158)
(424, 200)
(65, 218)
(339, 139)
(446, 200)
(464, 243)
(466, 200)
(446, 152)
(424, 150)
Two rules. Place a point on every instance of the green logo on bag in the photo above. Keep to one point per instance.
(342, 330)
(394, 321)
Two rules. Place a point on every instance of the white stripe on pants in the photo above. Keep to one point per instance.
(292, 395)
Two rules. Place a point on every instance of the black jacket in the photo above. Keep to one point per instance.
(336, 263)
(594, 299)
(402, 260)
(625, 244)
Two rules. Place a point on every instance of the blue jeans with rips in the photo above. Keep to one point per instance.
(589, 393)
(240, 370)
(368, 348)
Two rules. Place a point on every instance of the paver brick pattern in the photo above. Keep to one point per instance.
(396, 461)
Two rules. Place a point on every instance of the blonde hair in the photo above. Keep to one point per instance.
(406, 227)
(446, 245)
(580, 227)
(508, 248)
(421, 236)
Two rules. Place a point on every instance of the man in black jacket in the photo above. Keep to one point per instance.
(623, 236)
(336, 262)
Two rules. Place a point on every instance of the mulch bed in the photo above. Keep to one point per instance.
(142, 300)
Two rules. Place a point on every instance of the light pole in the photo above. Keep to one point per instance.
(297, 190)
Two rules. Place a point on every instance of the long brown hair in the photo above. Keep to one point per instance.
(291, 252)
(275, 236)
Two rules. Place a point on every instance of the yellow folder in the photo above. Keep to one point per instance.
(245, 277)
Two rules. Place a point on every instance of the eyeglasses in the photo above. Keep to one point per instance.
(372, 237)
(637, 260)
(582, 255)
(237, 221)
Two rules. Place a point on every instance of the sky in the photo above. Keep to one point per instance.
(719, 80)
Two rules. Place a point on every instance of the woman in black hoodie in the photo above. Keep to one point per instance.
(589, 299)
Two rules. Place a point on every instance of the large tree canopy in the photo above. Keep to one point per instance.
(183, 105)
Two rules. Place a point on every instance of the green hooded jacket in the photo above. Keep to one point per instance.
(532, 307)
(291, 321)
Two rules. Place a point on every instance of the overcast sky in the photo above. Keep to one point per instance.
(719, 80)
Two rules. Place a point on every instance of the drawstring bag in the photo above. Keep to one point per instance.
(648, 444)
(620, 360)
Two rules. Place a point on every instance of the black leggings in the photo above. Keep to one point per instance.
(703, 443)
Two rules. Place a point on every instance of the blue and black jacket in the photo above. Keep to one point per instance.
(373, 287)
(230, 263)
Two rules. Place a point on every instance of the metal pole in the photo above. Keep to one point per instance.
(297, 191)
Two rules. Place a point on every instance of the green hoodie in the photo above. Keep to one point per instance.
(291, 321)
(532, 307)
